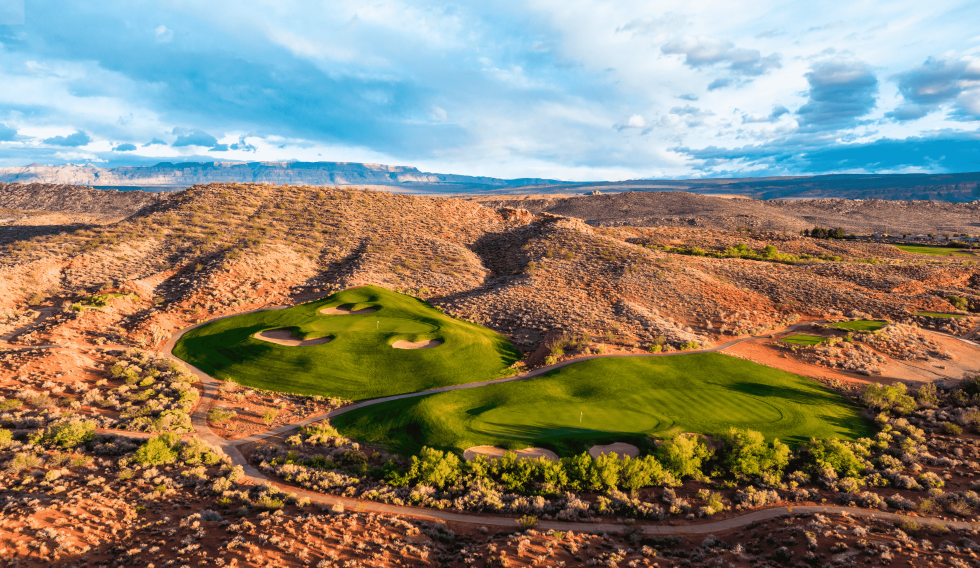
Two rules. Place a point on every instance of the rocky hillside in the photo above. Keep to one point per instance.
(953, 188)
(681, 209)
(226, 248)
(75, 199)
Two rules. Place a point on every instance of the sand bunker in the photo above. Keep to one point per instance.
(346, 312)
(493, 452)
(619, 448)
(416, 344)
(285, 337)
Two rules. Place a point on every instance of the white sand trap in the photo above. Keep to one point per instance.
(285, 337)
(346, 312)
(619, 448)
(416, 344)
(493, 452)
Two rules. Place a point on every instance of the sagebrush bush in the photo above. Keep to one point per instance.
(159, 450)
(67, 433)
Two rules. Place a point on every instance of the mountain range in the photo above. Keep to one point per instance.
(168, 176)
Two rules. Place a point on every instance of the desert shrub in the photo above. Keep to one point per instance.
(527, 522)
(930, 480)
(435, 468)
(832, 454)
(11, 404)
(581, 472)
(746, 453)
(159, 450)
(646, 471)
(24, 461)
(683, 456)
(927, 395)
(219, 415)
(67, 433)
(197, 452)
(525, 476)
(267, 501)
(952, 429)
(959, 302)
(269, 416)
(6, 438)
(894, 398)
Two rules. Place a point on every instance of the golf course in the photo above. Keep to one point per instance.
(934, 250)
(373, 343)
(612, 400)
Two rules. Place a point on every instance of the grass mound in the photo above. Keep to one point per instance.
(612, 400)
(860, 325)
(359, 361)
(804, 339)
(933, 250)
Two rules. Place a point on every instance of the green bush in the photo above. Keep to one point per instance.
(24, 461)
(197, 452)
(6, 438)
(927, 395)
(67, 434)
(952, 429)
(436, 468)
(527, 522)
(159, 450)
(219, 415)
(883, 397)
(645, 471)
(833, 454)
(746, 453)
(683, 456)
(959, 302)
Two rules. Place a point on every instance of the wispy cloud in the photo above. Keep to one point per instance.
(578, 90)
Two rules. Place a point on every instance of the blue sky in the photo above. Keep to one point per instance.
(570, 89)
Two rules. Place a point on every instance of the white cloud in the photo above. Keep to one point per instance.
(635, 121)
(164, 34)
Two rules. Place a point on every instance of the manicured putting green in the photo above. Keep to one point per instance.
(860, 325)
(933, 250)
(939, 315)
(803, 339)
(612, 400)
(359, 361)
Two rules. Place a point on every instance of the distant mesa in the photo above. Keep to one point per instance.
(168, 176)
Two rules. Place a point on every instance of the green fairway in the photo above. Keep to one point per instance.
(860, 325)
(803, 339)
(939, 315)
(612, 400)
(933, 250)
(359, 362)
